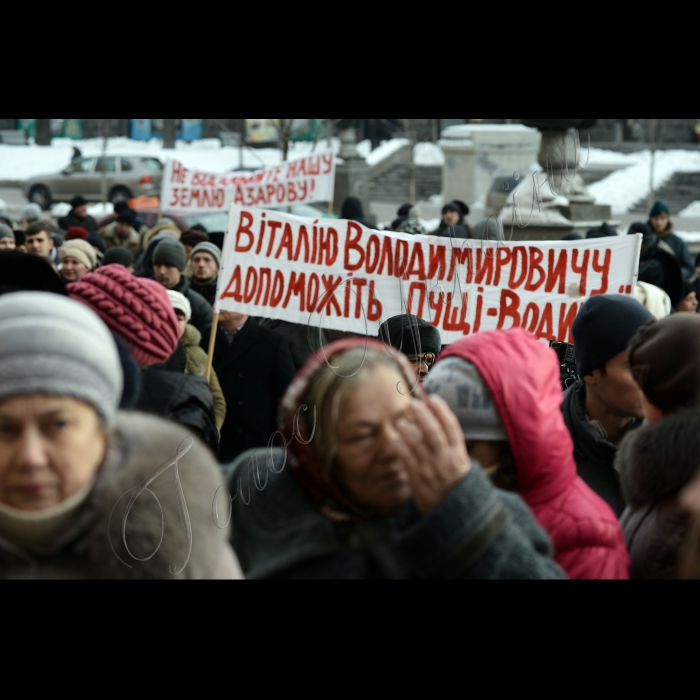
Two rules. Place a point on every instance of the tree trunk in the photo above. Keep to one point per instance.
(43, 132)
(168, 133)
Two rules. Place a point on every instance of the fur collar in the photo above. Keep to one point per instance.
(139, 445)
(656, 462)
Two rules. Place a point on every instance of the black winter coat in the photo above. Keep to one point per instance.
(680, 248)
(477, 532)
(181, 398)
(208, 291)
(595, 456)
(304, 341)
(88, 223)
(656, 464)
(201, 309)
(254, 372)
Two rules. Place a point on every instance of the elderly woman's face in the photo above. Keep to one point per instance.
(367, 464)
(50, 448)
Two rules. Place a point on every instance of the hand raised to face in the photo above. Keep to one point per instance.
(434, 452)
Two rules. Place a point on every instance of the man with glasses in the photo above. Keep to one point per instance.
(416, 338)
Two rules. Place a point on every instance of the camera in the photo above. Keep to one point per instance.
(567, 363)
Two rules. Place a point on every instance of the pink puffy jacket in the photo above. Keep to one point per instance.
(522, 375)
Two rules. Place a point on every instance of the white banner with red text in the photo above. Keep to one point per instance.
(306, 180)
(342, 276)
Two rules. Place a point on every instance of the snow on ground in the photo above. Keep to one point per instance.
(624, 188)
(691, 212)
(23, 162)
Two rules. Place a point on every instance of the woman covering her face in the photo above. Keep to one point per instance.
(70, 463)
(375, 482)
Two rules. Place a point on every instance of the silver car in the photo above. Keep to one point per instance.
(127, 177)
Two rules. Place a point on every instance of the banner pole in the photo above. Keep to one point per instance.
(212, 345)
(330, 209)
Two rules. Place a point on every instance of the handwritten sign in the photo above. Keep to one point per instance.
(350, 278)
(309, 179)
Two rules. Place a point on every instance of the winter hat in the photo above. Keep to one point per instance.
(412, 226)
(119, 256)
(697, 260)
(605, 231)
(658, 209)
(688, 289)
(80, 250)
(119, 207)
(181, 303)
(411, 335)
(463, 207)
(451, 206)
(80, 360)
(20, 272)
(415, 212)
(664, 358)
(603, 329)
(77, 233)
(138, 310)
(404, 211)
(127, 217)
(5, 220)
(30, 214)
(171, 253)
(193, 238)
(459, 383)
(572, 236)
(209, 248)
(6, 232)
(78, 202)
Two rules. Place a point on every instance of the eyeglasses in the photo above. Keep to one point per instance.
(428, 359)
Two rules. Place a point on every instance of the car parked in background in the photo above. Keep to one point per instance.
(127, 177)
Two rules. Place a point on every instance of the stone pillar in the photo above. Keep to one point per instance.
(352, 176)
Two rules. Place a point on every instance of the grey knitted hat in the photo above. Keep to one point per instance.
(209, 248)
(30, 213)
(170, 253)
(6, 232)
(56, 346)
(459, 383)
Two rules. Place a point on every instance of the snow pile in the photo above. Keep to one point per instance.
(387, 149)
(624, 188)
(96, 211)
(691, 212)
(429, 154)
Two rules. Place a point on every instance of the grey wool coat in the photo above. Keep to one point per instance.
(476, 533)
(91, 548)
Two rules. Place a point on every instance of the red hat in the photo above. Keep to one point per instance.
(77, 232)
(138, 310)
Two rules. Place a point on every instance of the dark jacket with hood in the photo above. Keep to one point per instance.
(680, 248)
(595, 456)
(656, 463)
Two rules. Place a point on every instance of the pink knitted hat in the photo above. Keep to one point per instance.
(136, 309)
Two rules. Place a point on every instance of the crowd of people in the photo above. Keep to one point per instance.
(390, 457)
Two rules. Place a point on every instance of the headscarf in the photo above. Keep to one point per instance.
(310, 472)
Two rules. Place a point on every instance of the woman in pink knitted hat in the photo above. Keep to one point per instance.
(139, 312)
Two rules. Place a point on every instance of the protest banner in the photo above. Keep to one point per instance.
(308, 179)
(343, 276)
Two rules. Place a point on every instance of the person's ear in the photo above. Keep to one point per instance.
(592, 379)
